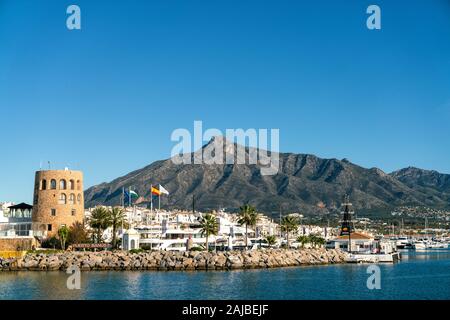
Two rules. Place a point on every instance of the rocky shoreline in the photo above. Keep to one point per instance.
(178, 261)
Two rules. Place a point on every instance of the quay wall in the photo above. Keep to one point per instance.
(178, 261)
(17, 243)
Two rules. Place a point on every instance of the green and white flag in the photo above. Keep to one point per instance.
(133, 194)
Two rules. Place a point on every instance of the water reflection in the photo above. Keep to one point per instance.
(420, 275)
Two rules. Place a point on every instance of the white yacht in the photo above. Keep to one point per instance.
(403, 242)
(429, 244)
(420, 245)
(156, 237)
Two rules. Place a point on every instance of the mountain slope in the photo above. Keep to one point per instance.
(302, 183)
(430, 182)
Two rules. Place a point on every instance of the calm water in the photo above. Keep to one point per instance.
(419, 276)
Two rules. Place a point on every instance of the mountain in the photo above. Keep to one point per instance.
(304, 183)
(430, 182)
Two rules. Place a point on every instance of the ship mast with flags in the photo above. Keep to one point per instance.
(347, 227)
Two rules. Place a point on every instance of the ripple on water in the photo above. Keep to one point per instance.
(424, 275)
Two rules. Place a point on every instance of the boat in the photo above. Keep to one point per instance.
(374, 258)
(420, 245)
(429, 244)
(403, 242)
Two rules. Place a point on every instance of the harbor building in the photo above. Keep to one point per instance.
(58, 200)
(17, 222)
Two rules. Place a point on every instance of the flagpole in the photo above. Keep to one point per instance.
(129, 197)
(151, 199)
(123, 206)
(123, 197)
(159, 198)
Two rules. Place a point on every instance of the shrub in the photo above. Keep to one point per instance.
(135, 251)
(51, 243)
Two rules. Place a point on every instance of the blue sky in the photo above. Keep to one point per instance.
(105, 99)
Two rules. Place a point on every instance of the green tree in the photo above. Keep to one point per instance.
(288, 225)
(247, 217)
(99, 221)
(317, 241)
(271, 240)
(117, 216)
(313, 240)
(51, 243)
(209, 226)
(63, 232)
(303, 240)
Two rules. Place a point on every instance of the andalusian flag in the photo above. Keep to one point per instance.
(131, 194)
(128, 196)
(134, 194)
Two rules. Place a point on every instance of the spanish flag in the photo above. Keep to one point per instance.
(155, 191)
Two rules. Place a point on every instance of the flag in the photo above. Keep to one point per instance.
(132, 193)
(162, 190)
(127, 198)
(155, 191)
(140, 200)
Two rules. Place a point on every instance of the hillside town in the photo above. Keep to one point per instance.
(57, 220)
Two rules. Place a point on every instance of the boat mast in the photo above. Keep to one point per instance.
(347, 223)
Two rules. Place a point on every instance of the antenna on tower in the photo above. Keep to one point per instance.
(49, 168)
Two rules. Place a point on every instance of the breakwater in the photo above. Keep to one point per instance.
(168, 260)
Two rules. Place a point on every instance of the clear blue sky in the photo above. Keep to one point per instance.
(105, 99)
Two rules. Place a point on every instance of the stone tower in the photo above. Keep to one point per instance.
(58, 200)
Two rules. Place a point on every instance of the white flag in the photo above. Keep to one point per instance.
(162, 190)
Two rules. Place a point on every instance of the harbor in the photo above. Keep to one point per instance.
(148, 238)
(420, 276)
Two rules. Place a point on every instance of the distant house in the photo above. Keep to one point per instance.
(360, 242)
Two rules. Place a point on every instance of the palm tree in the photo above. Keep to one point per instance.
(247, 217)
(209, 226)
(289, 224)
(316, 240)
(320, 241)
(63, 232)
(99, 221)
(303, 240)
(116, 216)
(271, 240)
(313, 239)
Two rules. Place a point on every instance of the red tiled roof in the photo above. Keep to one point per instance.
(356, 236)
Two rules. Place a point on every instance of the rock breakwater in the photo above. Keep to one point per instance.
(168, 261)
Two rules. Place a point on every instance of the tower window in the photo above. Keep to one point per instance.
(49, 227)
(79, 199)
(62, 198)
(62, 184)
(44, 184)
(53, 212)
(72, 184)
(72, 199)
(74, 212)
(53, 184)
